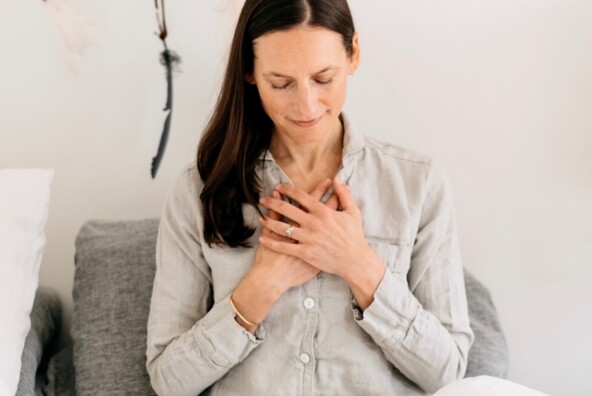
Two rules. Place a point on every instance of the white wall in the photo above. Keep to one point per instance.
(500, 92)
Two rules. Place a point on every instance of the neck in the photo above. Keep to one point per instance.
(308, 157)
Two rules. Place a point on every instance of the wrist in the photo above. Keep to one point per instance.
(266, 289)
(365, 276)
(244, 322)
(253, 299)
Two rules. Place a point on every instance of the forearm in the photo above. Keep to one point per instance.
(428, 347)
(253, 298)
(418, 343)
(364, 275)
(191, 362)
(413, 339)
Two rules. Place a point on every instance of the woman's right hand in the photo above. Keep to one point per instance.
(272, 273)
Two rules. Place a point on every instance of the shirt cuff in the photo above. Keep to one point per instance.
(390, 315)
(225, 341)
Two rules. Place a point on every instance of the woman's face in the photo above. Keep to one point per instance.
(301, 77)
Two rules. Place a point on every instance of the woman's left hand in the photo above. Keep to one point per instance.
(333, 241)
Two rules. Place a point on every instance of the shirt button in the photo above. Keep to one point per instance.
(304, 358)
(308, 303)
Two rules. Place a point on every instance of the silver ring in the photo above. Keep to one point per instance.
(288, 231)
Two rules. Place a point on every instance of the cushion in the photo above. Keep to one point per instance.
(60, 374)
(115, 266)
(489, 353)
(24, 202)
(45, 319)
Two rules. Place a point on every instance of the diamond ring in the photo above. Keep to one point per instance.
(288, 231)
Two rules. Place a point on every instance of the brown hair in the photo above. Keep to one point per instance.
(239, 131)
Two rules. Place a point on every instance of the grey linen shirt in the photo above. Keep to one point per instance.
(413, 339)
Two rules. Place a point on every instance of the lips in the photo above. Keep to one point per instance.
(307, 123)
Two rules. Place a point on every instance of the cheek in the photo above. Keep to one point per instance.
(337, 95)
(272, 103)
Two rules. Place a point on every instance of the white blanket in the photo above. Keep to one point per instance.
(486, 386)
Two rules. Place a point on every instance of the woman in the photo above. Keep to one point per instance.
(298, 256)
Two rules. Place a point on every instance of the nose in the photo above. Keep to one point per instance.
(306, 101)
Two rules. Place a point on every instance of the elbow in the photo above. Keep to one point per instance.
(165, 381)
(439, 381)
(160, 387)
(157, 379)
(454, 370)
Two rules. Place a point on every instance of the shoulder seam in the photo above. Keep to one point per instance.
(372, 144)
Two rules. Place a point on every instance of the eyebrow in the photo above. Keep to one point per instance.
(276, 74)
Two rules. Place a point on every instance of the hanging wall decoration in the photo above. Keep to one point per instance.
(76, 32)
(169, 59)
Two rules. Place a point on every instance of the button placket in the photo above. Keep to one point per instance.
(307, 353)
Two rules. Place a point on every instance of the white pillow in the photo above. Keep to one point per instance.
(24, 201)
(486, 386)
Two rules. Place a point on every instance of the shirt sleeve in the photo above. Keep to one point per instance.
(421, 322)
(191, 341)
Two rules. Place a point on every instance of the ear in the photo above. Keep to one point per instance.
(354, 59)
(250, 79)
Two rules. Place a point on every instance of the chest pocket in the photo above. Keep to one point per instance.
(395, 253)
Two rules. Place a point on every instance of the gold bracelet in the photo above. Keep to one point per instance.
(239, 314)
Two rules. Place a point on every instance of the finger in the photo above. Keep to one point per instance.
(344, 195)
(280, 228)
(285, 209)
(333, 202)
(275, 215)
(321, 189)
(300, 196)
(272, 214)
(290, 249)
(267, 232)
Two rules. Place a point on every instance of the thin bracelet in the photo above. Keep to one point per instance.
(239, 314)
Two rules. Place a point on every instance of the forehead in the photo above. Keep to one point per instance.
(302, 48)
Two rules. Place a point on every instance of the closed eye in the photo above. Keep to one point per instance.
(324, 82)
(285, 86)
(280, 87)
